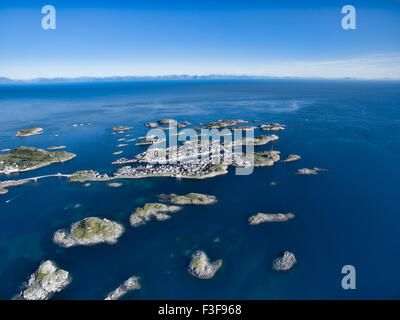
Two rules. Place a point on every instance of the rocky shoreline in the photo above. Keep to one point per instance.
(23, 159)
(284, 262)
(291, 158)
(270, 217)
(47, 280)
(200, 266)
(157, 211)
(131, 284)
(29, 132)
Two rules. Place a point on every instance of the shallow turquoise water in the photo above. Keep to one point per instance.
(348, 215)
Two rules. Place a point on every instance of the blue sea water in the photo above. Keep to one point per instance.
(347, 216)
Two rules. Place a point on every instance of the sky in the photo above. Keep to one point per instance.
(279, 38)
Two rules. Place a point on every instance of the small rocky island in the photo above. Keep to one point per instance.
(29, 132)
(221, 124)
(46, 281)
(165, 121)
(201, 267)
(131, 284)
(291, 158)
(122, 128)
(56, 147)
(28, 158)
(114, 184)
(272, 127)
(270, 217)
(151, 124)
(89, 231)
(314, 171)
(285, 262)
(150, 211)
(190, 198)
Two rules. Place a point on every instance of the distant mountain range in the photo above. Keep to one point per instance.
(4, 80)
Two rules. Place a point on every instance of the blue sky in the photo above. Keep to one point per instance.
(272, 38)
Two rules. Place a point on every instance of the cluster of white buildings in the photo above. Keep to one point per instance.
(190, 159)
(193, 152)
(8, 169)
(194, 168)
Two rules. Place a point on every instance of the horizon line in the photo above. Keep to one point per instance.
(4, 79)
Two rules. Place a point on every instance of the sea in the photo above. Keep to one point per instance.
(349, 215)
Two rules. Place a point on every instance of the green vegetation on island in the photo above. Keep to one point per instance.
(28, 158)
(87, 175)
(192, 198)
(152, 210)
(89, 231)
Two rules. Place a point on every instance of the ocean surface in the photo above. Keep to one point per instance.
(347, 216)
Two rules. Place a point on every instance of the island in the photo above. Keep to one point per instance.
(150, 211)
(151, 124)
(166, 121)
(314, 171)
(272, 127)
(183, 124)
(89, 231)
(122, 128)
(201, 267)
(46, 281)
(284, 262)
(221, 124)
(56, 147)
(291, 158)
(27, 158)
(114, 184)
(270, 217)
(190, 198)
(29, 132)
(131, 284)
